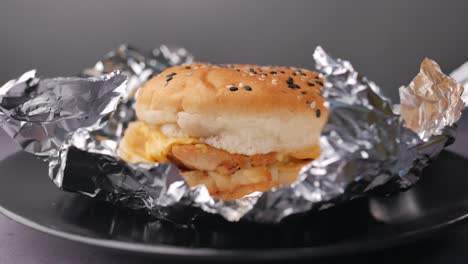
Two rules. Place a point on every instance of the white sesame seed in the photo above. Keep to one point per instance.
(261, 79)
(188, 74)
(364, 154)
(313, 105)
(274, 81)
(241, 85)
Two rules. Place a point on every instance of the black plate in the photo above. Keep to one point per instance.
(439, 200)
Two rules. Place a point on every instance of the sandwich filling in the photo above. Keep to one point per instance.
(226, 175)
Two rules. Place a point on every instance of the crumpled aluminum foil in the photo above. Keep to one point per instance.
(366, 147)
(431, 101)
(43, 114)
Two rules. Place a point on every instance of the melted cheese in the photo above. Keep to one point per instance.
(158, 145)
(143, 143)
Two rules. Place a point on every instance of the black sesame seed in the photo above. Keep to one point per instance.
(318, 113)
(237, 70)
(170, 76)
(233, 89)
(293, 86)
(248, 88)
(289, 80)
(187, 67)
(294, 74)
(308, 102)
(303, 92)
(273, 72)
(282, 71)
(311, 84)
(303, 74)
(252, 71)
(319, 83)
(316, 77)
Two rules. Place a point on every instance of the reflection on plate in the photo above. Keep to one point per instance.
(439, 200)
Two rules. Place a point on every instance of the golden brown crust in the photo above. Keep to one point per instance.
(201, 88)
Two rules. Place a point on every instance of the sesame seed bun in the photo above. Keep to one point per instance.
(205, 88)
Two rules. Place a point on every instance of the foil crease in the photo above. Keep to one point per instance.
(42, 114)
(367, 147)
(431, 101)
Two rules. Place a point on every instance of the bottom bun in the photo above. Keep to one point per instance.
(244, 181)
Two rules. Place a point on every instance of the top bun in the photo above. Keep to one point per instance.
(199, 88)
(246, 109)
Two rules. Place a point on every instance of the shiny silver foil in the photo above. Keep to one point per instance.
(367, 148)
(43, 114)
(431, 101)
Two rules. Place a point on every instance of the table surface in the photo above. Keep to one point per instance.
(386, 40)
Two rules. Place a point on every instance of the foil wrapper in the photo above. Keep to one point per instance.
(41, 115)
(431, 101)
(367, 146)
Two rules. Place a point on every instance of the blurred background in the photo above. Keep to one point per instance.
(385, 40)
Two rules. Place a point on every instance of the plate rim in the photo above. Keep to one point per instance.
(343, 249)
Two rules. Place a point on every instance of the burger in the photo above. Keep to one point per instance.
(236, 129)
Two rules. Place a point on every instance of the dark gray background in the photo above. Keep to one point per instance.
(385, 40)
